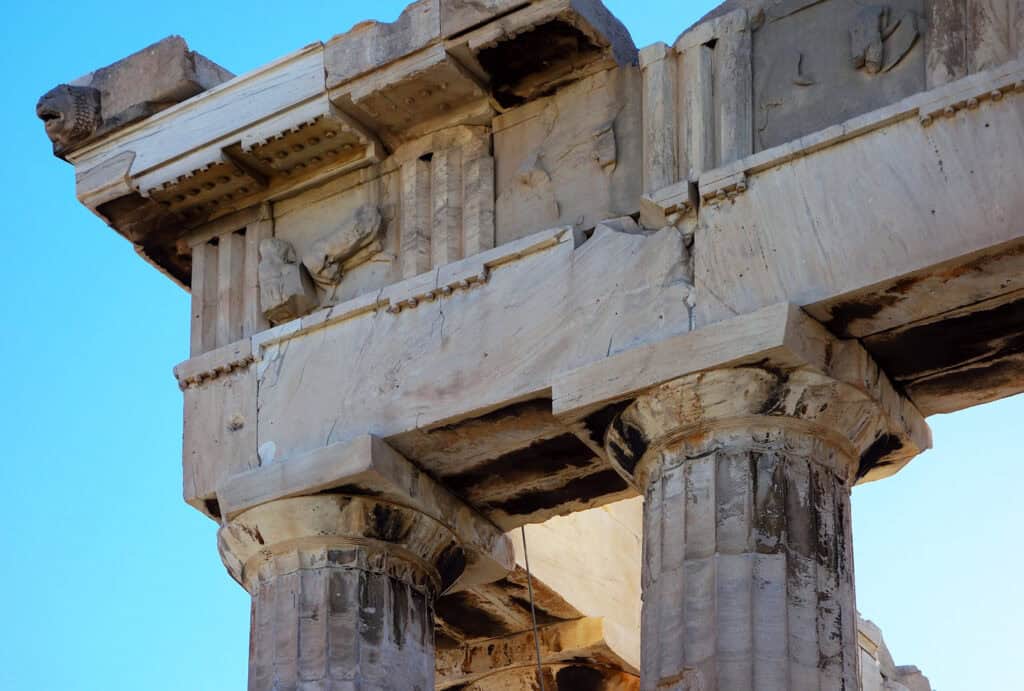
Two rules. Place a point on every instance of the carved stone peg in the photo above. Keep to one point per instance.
(286, 292)
(70, 114)
(350, 244)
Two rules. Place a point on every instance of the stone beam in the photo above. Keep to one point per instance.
(442, 376)
(780, 337)
(952, 190)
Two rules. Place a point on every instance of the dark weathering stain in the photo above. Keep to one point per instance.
(338, 602)
(443, 641)
(399, 611)
(986, 334)
(371, 606)
(635, 442)
(153, 230)
(389, 525)
(597, 423)
(539, 459)
(584, 489)
(461, 612)
(352, 490)
(535, 406)
(554, 48)
(543, 616)
(212, 507)
(991, 380)
(776, 398)
(580, 678)
(872, 457)
(843, 315)
(450, 565)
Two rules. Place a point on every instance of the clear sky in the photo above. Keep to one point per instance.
(110, 582)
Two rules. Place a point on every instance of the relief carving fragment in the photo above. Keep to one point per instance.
(880, 38)
(286, 291)
(352, 243)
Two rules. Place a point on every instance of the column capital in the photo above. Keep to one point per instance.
(751, 407)
(341, 531)
(777, 373)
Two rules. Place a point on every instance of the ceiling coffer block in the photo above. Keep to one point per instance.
(203, 189)
(326, 139)
(426, 85)
(543, 46)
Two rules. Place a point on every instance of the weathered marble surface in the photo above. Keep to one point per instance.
(483, 237)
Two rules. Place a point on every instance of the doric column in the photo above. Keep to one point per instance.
(748, 562)
(342, 589)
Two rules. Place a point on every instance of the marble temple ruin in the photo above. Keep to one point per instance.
(491, 265)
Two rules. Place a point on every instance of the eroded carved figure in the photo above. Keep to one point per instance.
(286, 292)
(70, 114)
(350, 244)
(879, 38)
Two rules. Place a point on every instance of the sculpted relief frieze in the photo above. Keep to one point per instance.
(880, 38)
(827, 62)
(352, 243)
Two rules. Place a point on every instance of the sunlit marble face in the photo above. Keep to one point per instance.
(69, 113)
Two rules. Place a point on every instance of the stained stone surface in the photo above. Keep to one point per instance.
(492, 266)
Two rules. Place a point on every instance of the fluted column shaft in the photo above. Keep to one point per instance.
(342, 592)
(748, 566)
(327, 620)
(748, 563)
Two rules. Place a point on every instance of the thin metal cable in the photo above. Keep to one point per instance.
(533, 610)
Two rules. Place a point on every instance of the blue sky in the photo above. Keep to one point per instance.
(111, 582)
